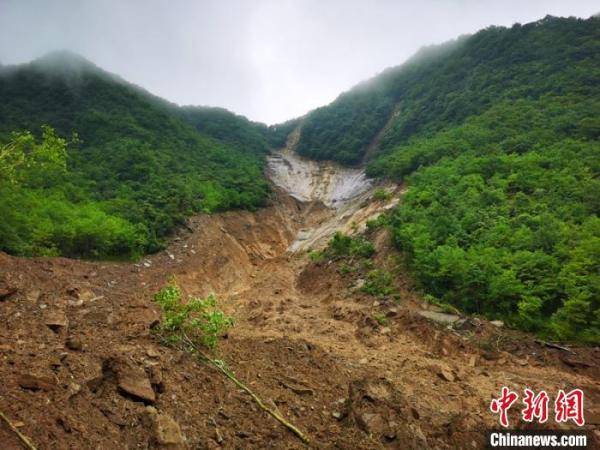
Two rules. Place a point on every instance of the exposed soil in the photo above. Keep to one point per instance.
(81, 368)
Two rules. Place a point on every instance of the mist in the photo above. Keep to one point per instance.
(270, 60)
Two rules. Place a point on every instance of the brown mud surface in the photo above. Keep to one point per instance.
(81, 369)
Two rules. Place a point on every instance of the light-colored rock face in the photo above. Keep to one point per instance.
(346, 191)
(309, 180)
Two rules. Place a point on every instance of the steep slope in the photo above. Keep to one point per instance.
(137, 163)
(497, 136)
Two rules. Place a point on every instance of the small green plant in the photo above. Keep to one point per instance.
(380, 221)
(345, 269)
(381, 319)
(449, 309)
(316, 256)
(378, 283)
(382, 195)
(342, 245)
(197, 320)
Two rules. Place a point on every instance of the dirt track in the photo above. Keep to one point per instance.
(81, 369)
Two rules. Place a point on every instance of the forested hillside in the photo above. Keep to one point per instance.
(135, 170)
(236, 131)
(497, 137)
(443, 85)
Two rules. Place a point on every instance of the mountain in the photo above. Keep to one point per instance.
(444, 85)
(232, 129)
(137, 169)
(497, 137)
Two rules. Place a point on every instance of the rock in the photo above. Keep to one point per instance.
(85, 296)
(497, 323)
(445, 374)
(439, 317)
(432, 307)
(74, 344)
(385, 330)
(392, 312)
(73, 389)
(131, 380)
(152, 352)
(113, 416)
(35, 383)
(33, 296)
(490, 356)
(56, 320)
(167, 433)
(75, 302)
(337, 415)
(372, 423)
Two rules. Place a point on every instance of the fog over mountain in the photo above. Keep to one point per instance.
(270, 60)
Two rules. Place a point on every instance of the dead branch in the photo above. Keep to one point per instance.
(24, 439)
(220, 367)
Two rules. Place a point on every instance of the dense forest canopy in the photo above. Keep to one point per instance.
(497, 135)
(136, 170)
(236, 131)
(443, 85)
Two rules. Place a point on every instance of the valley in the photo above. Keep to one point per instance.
(82, 369)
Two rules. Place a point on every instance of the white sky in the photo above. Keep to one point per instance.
(270, 60)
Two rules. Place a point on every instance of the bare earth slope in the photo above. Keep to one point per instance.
(81, 369)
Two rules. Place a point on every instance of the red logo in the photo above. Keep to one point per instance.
(503, 404)
(536, 406)
(567, 406)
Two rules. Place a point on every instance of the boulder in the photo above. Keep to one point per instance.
(132, 380)
(439, 317)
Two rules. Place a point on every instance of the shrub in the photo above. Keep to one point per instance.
(381, 319)
(316, 256)
(343, 245)
(382, 195)
(198, 320)
(380, 221)
(378, 283)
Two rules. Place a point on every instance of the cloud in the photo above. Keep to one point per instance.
(270, 60)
